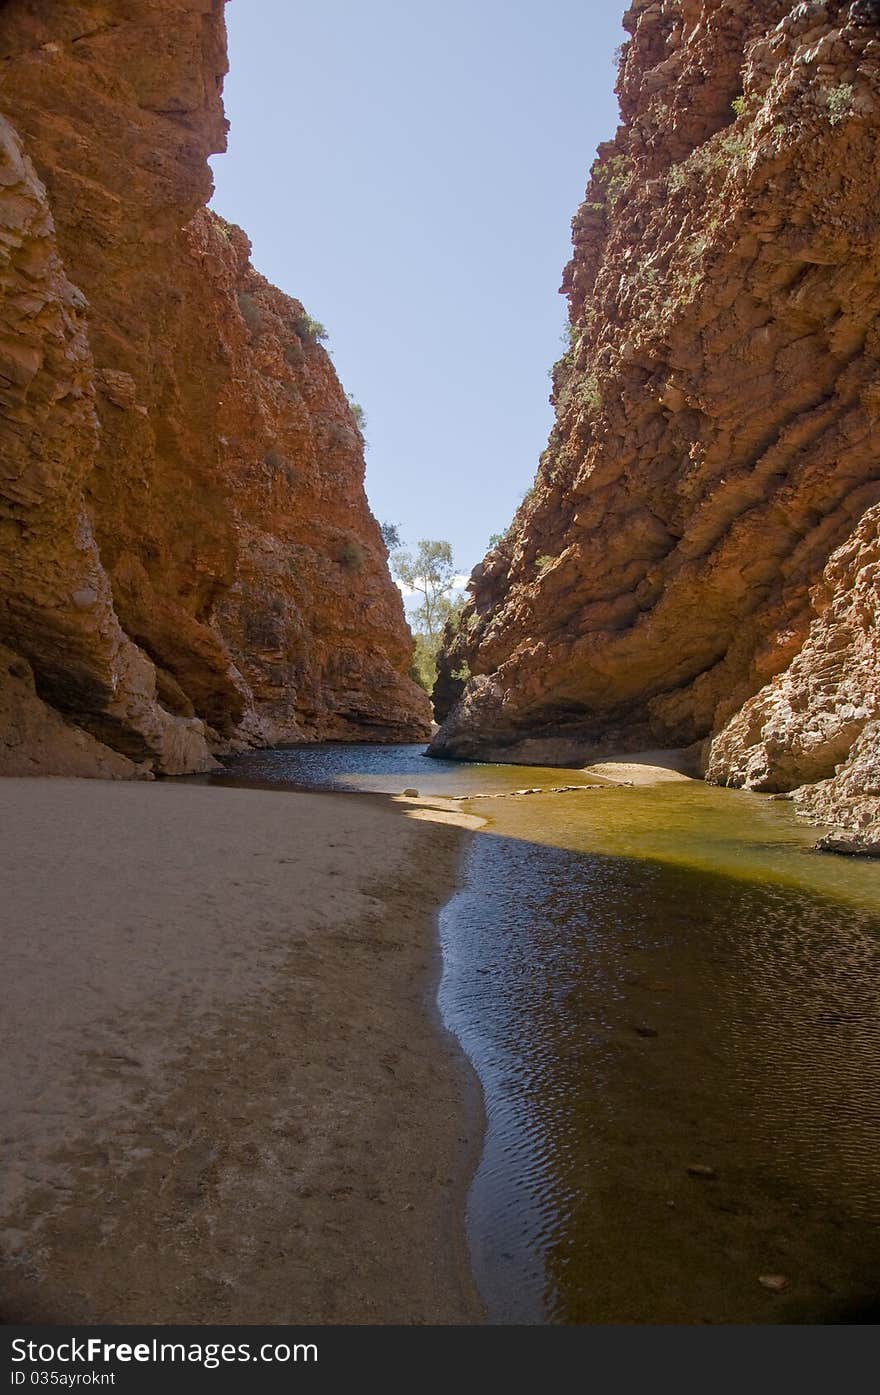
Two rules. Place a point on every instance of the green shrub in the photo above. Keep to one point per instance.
(677, 177)
(542, 562)
(590, 395)
(351, 556)
(698, 244)
(357, 411)
(423, 669)
(223, 226)
(571, 336)
(615, 174)
(279, 465)
(250, 312)
(734, 147)
(839, 100)
(310, 331)
(263, 625)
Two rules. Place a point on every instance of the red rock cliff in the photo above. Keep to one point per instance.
(697, 562)
(188, 557)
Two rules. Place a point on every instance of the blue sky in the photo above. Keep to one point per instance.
(409, 171)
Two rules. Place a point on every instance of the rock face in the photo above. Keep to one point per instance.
(697, 562)
(820, 719)
(188, 559)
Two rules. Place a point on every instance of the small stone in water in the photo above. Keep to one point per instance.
(701, 1170)
(410, 794)
(647, 1032)
(775, 1282)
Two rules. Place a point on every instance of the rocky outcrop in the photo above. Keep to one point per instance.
(819, 721)
(36, 740)
(694, 562)
(312, 620)
(188, 558)
(56, 605)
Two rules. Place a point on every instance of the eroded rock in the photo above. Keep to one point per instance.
(669, 581)
(188, 559)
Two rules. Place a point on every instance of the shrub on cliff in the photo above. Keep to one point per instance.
(250, 312)
(840, 102)
(351, 556)
(357, 411)
(310, 331)
(423, 669)
(279, 464)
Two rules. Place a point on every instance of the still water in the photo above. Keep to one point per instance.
(673, 1005)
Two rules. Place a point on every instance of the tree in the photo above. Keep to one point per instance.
(431, 575)
(390, 536)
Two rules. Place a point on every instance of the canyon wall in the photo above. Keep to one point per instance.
(697, 563)
(188, 559)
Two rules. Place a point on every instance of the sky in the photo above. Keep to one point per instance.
(409, 170)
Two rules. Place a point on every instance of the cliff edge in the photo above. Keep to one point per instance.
(697, 564)
(187, 559)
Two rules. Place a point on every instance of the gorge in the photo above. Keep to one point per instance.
(570, 1024)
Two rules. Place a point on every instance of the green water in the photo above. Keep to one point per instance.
(652, 980)
(649, 981)
(733, 832)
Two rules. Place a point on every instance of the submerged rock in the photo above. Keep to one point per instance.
(702, 1172)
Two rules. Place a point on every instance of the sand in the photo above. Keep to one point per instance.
(227, 1095)
(660, 767)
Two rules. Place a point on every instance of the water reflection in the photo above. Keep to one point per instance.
(383, 769)
(647, 981)
(630, 1020)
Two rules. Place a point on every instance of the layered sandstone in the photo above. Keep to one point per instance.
(819, 720)
(313, 622)
(694, 563)
(188, 557)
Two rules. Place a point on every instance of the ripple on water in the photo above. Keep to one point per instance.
(383, 770)
(629, 1019)
(647, 981)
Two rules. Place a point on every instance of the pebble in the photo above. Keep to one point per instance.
(701, 1170)
(776, 1283)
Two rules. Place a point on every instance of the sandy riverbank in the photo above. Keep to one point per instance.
(226, 1095)
(643, 768)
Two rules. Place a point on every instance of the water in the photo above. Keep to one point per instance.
(383, 770)
(647, 981)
